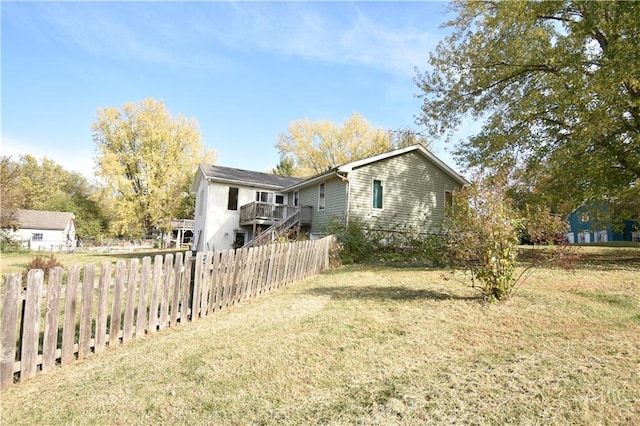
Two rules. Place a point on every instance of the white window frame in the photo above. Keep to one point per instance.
(275, 199)
(322, 196)
(296, 198)
(446, 206)
(37, 236)
(373, 190)
(270, 196)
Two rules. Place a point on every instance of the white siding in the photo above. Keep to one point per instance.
(218, 225)
(52, 239)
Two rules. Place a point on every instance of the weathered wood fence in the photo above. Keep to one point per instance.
(83, 310)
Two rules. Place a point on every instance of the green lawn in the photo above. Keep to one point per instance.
(374, 345)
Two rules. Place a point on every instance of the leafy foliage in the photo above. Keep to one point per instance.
(148, 159)
(313, 147)
(354, 246)
(33, 184)
(10, 193)
(483, 230)
(359, 244)
(286, 167)
(557, 88)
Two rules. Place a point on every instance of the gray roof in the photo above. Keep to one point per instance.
(40, 219)
(348, 167)
(230, 174)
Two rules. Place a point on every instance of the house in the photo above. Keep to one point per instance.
(45, 230)
(232, 205)
(393, 191)
(586, 227)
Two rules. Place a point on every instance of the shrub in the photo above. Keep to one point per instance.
(354, 246)
(44, 263)
(358, 244)
(9, 244)
(483, 234)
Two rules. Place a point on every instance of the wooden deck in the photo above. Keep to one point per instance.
(261, 213)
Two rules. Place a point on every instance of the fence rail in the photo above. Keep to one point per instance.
(43, 325)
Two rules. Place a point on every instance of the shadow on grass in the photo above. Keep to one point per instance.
(382, 293)
(610, 258)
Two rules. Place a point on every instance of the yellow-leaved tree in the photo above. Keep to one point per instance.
(316, 146)
(147, 159)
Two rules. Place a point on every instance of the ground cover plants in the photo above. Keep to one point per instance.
(375, 345)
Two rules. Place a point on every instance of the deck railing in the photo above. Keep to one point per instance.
(262, 211)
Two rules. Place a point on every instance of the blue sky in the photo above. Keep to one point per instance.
(243, 70)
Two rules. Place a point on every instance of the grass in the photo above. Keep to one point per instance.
(373, 345)
(17, 262)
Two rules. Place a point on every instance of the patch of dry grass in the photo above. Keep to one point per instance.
(17, 262)
(371, 346)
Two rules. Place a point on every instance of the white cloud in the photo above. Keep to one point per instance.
(195, 34)
(350, 37)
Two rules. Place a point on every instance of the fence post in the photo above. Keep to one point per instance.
(9, 326)
(84, 341)
(31, 330)
(50, 344)
(103, 299)
(70, 307)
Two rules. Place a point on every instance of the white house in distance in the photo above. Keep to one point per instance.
(403, 189)
(45, 230)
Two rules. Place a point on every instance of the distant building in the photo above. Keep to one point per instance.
(585, 227)
(45, 230)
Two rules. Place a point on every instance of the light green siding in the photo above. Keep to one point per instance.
(413, 193)
(335, 203)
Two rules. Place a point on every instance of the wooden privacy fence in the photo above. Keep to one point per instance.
(83, 310)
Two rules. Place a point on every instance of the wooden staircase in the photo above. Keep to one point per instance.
(276, 230)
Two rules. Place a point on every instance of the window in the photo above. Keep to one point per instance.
(377, 194)
(322, 188)
(584, 217)
(296, 198)
(36, 236)
(239, 239)
(233, 199)
(448, 200)
(279, 199)
(264, 197)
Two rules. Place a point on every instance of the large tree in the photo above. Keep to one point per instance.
(11, 195)
(148, 159)
(556, 86)
(312, 147)
(33, 184)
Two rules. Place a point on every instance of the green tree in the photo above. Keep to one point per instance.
(43, 184)
(11, 196)
(146, 158)
(286, 167)
(556, 85)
